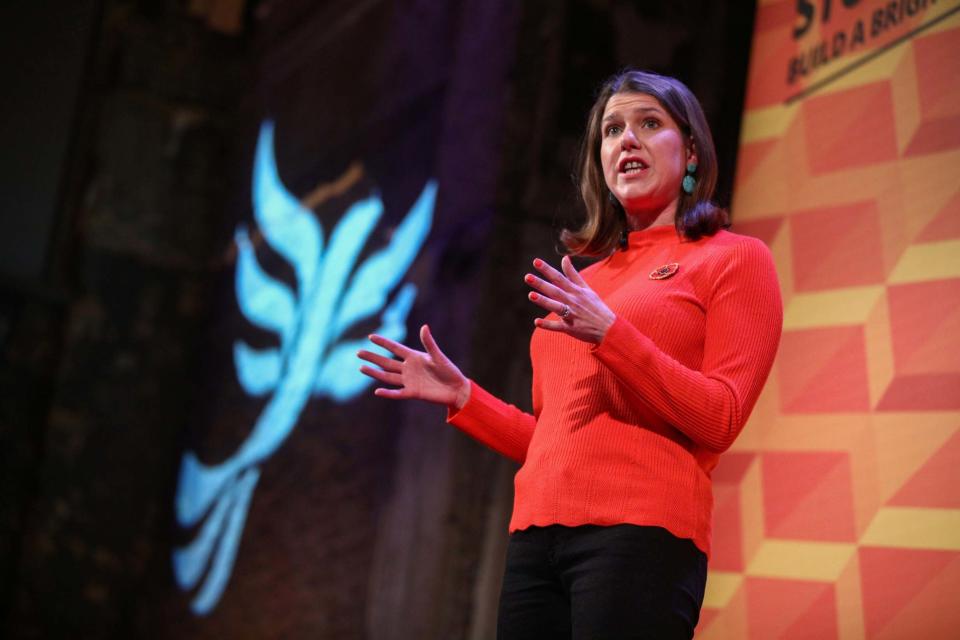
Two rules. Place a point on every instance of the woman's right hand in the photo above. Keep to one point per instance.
(422, 375)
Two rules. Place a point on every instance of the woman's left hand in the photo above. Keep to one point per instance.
(583, 314)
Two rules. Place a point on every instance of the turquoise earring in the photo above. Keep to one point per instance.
(689, 182)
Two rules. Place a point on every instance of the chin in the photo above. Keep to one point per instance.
(639, 205)
(643, 200)
(636, 194)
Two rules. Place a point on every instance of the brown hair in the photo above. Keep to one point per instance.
(606, 222)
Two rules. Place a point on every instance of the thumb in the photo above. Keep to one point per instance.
(429, 343)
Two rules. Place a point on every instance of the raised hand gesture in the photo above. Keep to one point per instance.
(424, 375)
(583, 314)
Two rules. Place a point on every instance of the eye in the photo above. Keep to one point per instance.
(611, 130)
(651, 123)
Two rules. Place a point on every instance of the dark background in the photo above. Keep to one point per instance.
(129, 128)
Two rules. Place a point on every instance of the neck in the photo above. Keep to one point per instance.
(640, 219)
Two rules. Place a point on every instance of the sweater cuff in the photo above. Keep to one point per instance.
(453, 414)
(493, 423)
(620, 342)
(480, 408)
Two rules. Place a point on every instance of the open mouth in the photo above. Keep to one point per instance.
(632, 166)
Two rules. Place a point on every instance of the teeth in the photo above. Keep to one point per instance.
(632, 165)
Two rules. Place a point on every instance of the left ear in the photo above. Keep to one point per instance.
(692, 153)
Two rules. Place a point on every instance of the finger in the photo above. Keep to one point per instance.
(383, 376)
(393, 347)
(426, 338)
(387, 364)
(552, 275)
(393, 394)
(552, 325)
(545, 302)
(545, 287)
(571, 272)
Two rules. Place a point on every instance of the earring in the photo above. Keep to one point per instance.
(689, 182)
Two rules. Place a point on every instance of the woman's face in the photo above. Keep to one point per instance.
(644, 155)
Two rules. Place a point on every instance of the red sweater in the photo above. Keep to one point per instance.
(629, 430)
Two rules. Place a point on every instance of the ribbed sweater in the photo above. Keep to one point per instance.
(630, 429)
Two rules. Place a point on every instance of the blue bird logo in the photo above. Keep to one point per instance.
(313, 359)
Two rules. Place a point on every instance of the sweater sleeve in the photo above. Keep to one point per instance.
(744, 318)
(500, 426)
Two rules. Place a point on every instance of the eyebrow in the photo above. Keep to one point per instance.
(616, 114)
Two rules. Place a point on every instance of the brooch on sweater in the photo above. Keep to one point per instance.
(664, 272)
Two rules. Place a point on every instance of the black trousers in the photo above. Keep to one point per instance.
(593, 582)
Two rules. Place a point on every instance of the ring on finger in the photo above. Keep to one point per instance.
(565, 312)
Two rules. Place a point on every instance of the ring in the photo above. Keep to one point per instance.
(565, 312)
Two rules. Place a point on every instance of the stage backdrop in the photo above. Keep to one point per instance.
(838, 509)
(364, 190)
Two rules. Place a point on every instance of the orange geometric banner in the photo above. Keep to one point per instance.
(838, 510)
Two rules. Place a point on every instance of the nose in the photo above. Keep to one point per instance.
(629, 140)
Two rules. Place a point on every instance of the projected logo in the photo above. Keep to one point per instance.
(332, 294)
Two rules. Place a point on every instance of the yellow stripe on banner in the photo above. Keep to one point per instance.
(767, 123)
(883, 67)
(801, 560)
(837, 307)
(914, 528)
(928, 261)
(940, 8)
(721, 587)
(878, 69)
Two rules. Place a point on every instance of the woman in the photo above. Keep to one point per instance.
(645, 370)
